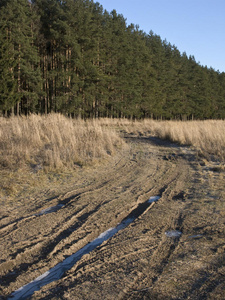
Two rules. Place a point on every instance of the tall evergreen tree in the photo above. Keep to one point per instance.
(22, 61)
(76, 58)
(8, 83)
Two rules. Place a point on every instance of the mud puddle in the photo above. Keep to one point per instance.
(57, 272)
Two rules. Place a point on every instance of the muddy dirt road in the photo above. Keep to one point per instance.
(143, 260)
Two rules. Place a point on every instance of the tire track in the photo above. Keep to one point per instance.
(93, 265)
(45, 248)
(136, 258)
(42, 249)
(57, 272)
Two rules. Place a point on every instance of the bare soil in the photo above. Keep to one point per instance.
(140, 261)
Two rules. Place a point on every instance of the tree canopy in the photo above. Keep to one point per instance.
(76, 58)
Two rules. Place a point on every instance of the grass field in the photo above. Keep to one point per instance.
(36, 149)
(54, 143)
(208, 137)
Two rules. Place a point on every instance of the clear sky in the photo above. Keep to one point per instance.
(196, 27)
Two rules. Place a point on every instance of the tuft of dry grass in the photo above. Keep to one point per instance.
(35, 149)
(53, 142)
(208, 137)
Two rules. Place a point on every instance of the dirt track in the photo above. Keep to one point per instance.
(140, 261)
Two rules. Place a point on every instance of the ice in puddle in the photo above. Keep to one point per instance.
(173, 234)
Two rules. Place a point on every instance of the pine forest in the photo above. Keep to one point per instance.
(75, 58)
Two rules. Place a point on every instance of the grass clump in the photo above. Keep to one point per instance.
(54, 141)
(33, 146)
(208, 137)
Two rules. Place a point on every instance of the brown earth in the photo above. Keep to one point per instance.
(140, 261)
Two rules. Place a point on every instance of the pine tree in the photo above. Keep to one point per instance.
(76, 58)
(20, 74)
(8, 84)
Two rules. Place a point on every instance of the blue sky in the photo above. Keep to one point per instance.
(194, 26)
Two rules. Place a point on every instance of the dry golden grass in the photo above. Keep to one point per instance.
(208, 137)
(34, 150)
(53, 142)
(42, 144)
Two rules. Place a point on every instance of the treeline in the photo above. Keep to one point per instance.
(76, 58)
